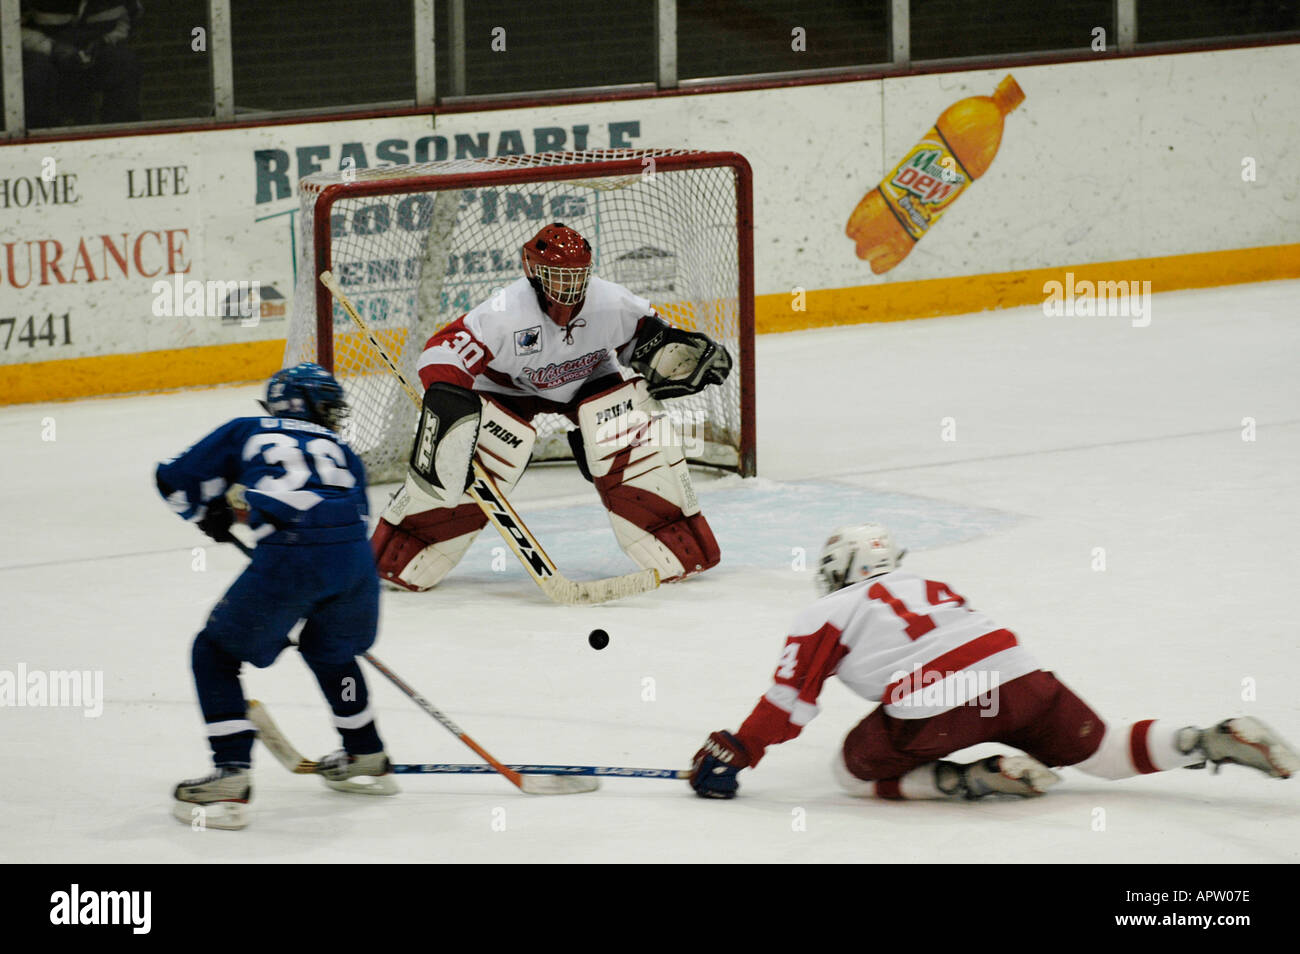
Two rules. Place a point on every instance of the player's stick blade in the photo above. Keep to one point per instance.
(271, 736)
(557, 784)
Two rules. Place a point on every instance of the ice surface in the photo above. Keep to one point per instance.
(1071, 434)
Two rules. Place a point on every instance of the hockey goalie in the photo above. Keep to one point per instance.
(554, 341)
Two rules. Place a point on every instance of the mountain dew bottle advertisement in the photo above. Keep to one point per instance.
(958, 149)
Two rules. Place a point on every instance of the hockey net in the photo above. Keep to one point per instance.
(415, 247)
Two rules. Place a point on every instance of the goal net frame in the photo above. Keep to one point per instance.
(611, 164)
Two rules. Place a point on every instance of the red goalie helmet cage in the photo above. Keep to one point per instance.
(557, 260)
(415, 247)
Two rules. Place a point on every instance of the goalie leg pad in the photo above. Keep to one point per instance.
(635, 459)
(658, 536)
(422, 547)
(419, 539)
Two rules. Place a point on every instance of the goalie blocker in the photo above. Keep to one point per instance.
(641, 477)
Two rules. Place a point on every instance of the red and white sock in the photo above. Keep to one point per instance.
(1138, 749)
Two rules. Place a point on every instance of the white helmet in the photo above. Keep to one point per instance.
(857, 553)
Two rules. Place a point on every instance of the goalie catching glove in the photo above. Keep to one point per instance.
(676, 362)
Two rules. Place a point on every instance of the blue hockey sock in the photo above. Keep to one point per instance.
(345, 690)
(221, 698)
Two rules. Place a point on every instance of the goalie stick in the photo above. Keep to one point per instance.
(484, 492)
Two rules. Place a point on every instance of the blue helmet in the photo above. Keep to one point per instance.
(306, 392)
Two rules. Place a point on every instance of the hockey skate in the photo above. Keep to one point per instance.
(998, 774)
(219, 800)
(1243, 741)
(358, 774)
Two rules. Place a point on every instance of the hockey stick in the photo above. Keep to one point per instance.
(297, 763)
(274, 740)
(610, 771)
(484, 492)
(532, 784)
(294, 761)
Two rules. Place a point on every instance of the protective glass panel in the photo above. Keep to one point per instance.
(954, 28)
(511, 46)
(737, 37)
(1161, 20)
(309, 54)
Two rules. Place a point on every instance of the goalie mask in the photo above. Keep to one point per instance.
(306, 392)
(854, 554)
(557, 263)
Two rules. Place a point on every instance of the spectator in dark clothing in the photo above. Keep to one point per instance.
(74, 50)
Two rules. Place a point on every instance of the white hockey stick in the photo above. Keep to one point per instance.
(484, 492)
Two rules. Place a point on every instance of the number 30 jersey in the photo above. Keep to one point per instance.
(302, 479)
(508, 345)
(911, 644)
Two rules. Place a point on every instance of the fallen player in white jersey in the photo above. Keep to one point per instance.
(947, 677)
(555, 341)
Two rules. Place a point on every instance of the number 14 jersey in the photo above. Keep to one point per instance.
(911, 644)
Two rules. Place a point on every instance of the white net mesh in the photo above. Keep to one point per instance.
(416, 257)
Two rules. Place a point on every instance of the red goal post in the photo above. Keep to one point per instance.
(417, 246)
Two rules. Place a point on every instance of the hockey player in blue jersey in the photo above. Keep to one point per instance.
(302, 491)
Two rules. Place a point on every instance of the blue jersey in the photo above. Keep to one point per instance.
(302, 479)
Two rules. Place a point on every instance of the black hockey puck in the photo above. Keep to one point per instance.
(598, 639)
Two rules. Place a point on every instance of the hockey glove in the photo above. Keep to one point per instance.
(712, 365)
(714, 768)
(217, 520)
(676, 362)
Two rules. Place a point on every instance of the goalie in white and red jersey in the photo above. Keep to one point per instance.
(947, 677)
(553, 342)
